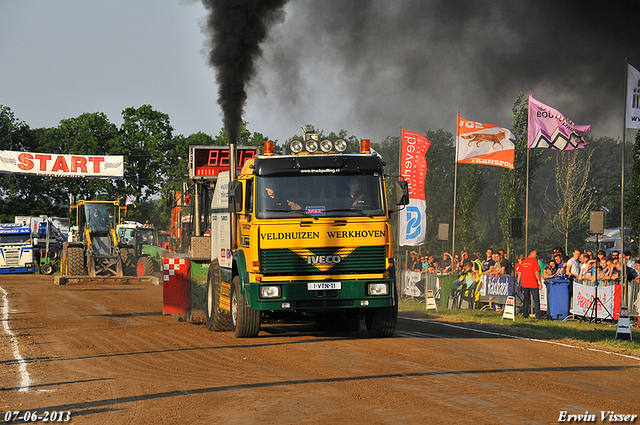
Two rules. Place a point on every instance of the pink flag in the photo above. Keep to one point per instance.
(548, 128)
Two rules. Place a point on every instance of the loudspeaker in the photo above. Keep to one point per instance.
(515, 228)
(443, 231)
(596, 222)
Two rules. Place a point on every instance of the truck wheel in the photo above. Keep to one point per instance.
(76, 261)
(245, 322)
(47, 269)
(216, 321)
(145, 266)
(381, 322)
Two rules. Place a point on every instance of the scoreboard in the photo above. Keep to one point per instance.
(209, 161)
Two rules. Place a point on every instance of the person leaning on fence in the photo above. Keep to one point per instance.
(587, 269)
(464, 282)
(497, 268)
(573, 265)
(530, 281)
(505, 262)
(414, 264)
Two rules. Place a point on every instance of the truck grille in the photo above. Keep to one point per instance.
(12, 256)
(364, 259)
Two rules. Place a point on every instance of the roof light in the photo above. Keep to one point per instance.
(311, 146)
(268, 147)
(365, 146)
(295, 146)
(340, 145)
(326, 145)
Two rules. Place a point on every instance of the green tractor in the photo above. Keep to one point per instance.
(139, 249)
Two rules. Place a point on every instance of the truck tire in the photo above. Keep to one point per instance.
(76, 261)
(54, 253)
(245, 322)
(381, 322)
(145, 266)
(129, 264)
(216, 321)
(47, 269)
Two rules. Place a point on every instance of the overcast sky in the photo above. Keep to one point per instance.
(366, 66)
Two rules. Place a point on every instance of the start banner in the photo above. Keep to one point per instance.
(54, 165)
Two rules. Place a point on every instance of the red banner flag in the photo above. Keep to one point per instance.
(413, 167)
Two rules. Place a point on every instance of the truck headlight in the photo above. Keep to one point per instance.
(296, 146)
(326, 146)
(270, 291)
(378, 289)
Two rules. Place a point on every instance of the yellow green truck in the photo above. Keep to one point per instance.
(304, 236)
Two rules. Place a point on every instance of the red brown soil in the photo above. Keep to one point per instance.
(107, 354)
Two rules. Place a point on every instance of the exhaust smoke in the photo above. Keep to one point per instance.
(236, 28)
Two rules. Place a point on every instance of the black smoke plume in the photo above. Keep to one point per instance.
(414, 63)
(236, 28)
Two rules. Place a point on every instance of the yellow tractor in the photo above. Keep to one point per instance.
(94, 251)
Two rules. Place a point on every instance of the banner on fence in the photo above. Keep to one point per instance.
(497, 286)
(608, 306)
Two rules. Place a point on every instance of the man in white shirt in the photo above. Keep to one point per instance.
(573, 265)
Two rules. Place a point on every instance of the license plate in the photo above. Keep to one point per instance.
(323, 286)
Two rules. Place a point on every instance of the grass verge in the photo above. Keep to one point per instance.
(595, 335)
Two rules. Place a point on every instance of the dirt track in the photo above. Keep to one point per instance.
(109, 356)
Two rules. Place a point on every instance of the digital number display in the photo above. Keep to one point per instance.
(210, 161)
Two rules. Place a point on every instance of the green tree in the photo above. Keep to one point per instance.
(147, 138)
(439, 185)
(469, 196)
(88, 134)
(633, 196)
(572, 204)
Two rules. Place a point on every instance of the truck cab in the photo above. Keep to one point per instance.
(312, 240)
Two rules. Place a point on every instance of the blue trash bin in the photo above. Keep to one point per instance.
(557, 298)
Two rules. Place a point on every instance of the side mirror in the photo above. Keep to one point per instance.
(401, 191)
(235, 196)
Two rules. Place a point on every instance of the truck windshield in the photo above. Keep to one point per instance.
(337, 195)
(12, 239)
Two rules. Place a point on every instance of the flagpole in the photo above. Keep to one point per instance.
(526, 207)
(622, 234)
(455, 189)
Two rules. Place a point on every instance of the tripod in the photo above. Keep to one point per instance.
(596, 300)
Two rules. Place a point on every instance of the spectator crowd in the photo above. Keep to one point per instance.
(586, 267)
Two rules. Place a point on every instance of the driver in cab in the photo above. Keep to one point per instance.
(355, 197)
(275, 201)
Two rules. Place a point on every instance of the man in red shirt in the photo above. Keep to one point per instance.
(531, 283)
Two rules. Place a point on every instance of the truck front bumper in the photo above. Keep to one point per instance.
(321, 295)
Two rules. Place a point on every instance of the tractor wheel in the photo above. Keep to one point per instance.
(145, 266)
(47, 269)
(76, 261)
(54, 253)
(128, 257)
(245, 322)
(216, 321)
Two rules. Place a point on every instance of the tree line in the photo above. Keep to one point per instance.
(562, 185)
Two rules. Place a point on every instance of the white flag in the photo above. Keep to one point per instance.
(632, 112)
(129, 201)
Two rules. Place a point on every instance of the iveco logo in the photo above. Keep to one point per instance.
(323, 259)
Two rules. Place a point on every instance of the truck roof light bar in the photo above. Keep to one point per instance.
(365, 146)
(326, 146)
(268, 147)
